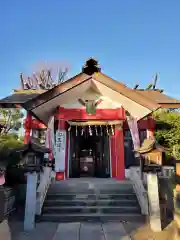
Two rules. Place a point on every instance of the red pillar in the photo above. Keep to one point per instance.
(113, 155)
(117, 155)
(151, 127)
(67, 152)
(62, 175)
(28, 127)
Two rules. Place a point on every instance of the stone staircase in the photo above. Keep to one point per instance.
(102, 200)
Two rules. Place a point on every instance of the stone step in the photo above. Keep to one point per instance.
(101, 202)
(96, 181)
(90, 185)
(71, 191)
(91, 200)
(91, 209)
(82, 196)
(84, 217)
(78, 186)
(91, 191)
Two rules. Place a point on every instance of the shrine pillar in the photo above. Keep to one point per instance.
(150, 127)
(117, 154)
(27, 127)
(61, 157)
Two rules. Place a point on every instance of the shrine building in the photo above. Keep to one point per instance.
(90, 112)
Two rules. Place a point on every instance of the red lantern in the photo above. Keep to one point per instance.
(60, 176)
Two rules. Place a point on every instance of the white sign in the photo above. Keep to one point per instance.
(60, 150)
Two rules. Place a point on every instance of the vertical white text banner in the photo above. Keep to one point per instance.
(60, 153)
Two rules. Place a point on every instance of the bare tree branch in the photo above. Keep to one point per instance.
(45, 77)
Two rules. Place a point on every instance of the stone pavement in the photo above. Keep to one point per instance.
(74, 231)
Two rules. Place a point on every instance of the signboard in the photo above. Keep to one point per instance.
(60, 150)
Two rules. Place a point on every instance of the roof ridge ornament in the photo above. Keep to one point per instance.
(91, 66)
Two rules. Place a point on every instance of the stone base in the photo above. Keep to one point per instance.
(5, 233)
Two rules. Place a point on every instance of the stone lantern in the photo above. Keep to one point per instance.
(152, 155)
(32, 155)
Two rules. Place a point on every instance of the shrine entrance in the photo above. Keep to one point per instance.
(89, 152)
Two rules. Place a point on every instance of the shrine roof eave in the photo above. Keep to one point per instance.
(170, 105)
(99, 77)
(46, 109)
(159, 97)
(16, 100)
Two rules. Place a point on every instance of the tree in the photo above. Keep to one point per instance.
(10, 120)
(10, 141)
(168, 130)
(45, 77)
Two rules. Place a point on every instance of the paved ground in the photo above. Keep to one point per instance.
(73, 231)
(87, 231)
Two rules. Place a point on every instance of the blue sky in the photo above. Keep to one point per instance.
(132, 39)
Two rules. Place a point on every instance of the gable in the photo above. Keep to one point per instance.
(87, 84)
(103, 101)
(69, 99)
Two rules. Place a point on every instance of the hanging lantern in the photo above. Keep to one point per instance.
(96, 131)
(90, 131)
(76, 131)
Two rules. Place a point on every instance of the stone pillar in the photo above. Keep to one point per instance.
(154, 204)
(30, 206)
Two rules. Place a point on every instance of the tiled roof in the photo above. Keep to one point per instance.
(15, 98)
(158, 97)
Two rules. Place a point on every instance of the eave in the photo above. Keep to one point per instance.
(44, 110)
